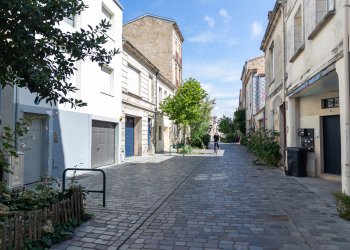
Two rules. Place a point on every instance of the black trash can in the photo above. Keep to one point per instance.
(296, 161)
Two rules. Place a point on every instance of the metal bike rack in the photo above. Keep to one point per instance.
(103, 191)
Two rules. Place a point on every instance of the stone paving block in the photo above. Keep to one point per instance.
(208, 202)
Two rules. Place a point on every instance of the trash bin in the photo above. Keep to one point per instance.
(296, 161)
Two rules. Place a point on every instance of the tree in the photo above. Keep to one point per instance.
(239, 121)
(36, 54)
(186, 105)
(226, 125)
(199, 128)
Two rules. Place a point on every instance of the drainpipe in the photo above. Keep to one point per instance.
(156, 115)
(346, 185)
(284, 69)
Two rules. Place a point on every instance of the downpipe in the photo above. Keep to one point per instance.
(346, 185)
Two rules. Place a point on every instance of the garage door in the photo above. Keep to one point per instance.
(103, 143)
(129, 136)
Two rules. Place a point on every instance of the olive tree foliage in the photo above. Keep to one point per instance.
(200, 128)
(36, 54)
(186, 105)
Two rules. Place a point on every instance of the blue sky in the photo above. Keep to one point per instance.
(220, 35)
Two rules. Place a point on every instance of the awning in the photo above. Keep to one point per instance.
(324, 81)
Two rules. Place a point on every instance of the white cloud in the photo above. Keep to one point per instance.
(256, 29)
(221, 80)
(220, 36)
(226, 16)
(210, 21)
(205, 37)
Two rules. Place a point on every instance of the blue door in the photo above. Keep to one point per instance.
(129, 136)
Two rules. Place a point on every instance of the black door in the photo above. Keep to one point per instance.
(331, 144)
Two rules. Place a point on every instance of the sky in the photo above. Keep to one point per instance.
(220, 35)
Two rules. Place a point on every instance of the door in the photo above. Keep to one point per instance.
(331, 144)
(129, 136)
(149, 134)
(33, 156)
(103, 143)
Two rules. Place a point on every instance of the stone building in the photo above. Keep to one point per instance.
(315, 77)
(160, 40)
(253, 90)
(143, 88)
(273, 47)
(315, 59)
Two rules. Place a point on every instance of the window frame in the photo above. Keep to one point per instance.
(108, 70)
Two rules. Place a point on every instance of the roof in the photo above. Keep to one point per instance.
(254, 65)
(119, 4)
(272, 16)
(160, 18)
(130, 48)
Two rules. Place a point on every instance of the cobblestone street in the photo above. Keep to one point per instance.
(208, 201)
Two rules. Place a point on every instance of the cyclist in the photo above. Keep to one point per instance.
(216, 142)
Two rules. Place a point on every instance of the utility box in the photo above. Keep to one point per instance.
(16, 178)
(307, 139)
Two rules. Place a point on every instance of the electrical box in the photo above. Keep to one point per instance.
(16, 178)
(307, 138)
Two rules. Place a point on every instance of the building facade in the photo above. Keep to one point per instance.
(160, 40)
(315, 77)
(61, 137)
(253, 88)
(144, 130)
(315, 80)
(273, 47)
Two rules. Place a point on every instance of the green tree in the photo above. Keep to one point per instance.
(199, 129)
(226, 125)
(239, 121)
(36, 54)
(186, 105)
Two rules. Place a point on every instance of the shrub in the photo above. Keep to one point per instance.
(206, 139)
(263, 144)
(186, 149)
(343, 205)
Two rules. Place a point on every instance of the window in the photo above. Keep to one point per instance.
(107, 13)
(106, 80)
(165, 94)
(69, 20)
(272, 62)
(330, 103)
(322, 8)
(133, 80)
(176, 72)
(298, 30)
(150, 89)
(160, 96)
(160, 134)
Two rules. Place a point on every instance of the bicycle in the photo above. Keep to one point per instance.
(216, 146)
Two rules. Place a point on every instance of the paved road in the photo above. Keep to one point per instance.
(208, 202)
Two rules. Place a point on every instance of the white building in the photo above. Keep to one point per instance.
(61, 137)
(317, 88)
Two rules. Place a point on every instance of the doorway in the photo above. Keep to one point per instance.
(331, 144)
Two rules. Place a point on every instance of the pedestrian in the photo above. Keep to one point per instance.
(216, 140)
